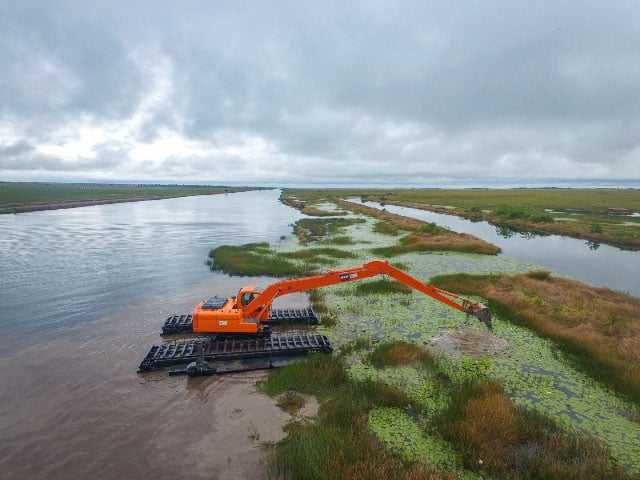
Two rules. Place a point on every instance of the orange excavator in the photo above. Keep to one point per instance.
(249, 311)
(239, 327)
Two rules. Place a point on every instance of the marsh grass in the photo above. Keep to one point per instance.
(539, 274)
(339, 240)
(328, 317)
(523, 213)
(318, 301)
(314, 254)
(339, 443)
(317, 212)
(386, 228)
(254, 259)
(521, 209)
(291, 402)
(357, 345)
(498, 438)
(491, 435)
(307, 207)
(597, 327)
(423, 242)
(317, 374)
(258, 259)
(382, 286)
(21, 196)
(394, 222)
(524, 209)
(312, 229)
(398, 353)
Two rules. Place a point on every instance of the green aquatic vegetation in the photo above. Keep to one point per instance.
(317, 255)
(386, 228)
(339, 444)
(419, 384)
(339, 240)
(317, 212)
(535, 374)
(540, 377)
(464, 369)
(595, 326)
(259, 259)
(381, 286)
(489, 430)
(401, 433)
(511, 212)
(357, 345)
(310, 229)
(254, 259)
(318, 375)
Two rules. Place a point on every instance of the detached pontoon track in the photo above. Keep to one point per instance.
(211, 348)
(176, 324)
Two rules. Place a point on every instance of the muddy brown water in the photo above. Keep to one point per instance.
(76, 325)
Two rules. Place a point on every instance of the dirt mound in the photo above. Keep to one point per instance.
(467, 341)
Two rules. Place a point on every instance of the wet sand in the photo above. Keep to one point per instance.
(76, 408)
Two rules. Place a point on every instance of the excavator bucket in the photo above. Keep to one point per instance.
(483, 314)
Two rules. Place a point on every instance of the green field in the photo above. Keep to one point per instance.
(415, 390)
(20, 197)
(600, 215)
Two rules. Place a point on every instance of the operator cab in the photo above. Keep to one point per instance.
(245, 296)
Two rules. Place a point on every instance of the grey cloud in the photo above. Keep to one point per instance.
(16, 149)
(365, 90)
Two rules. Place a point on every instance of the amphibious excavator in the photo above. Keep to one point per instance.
(240, 327)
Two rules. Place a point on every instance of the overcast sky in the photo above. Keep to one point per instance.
(319, 92)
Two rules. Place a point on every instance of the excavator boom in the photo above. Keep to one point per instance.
(260, 305)
(238, 327)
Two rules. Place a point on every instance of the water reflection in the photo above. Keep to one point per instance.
(67, 267)
(600, 265)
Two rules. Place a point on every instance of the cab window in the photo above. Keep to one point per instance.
(246, 298)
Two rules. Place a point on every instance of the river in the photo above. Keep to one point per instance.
(83, 295)
(600, 265)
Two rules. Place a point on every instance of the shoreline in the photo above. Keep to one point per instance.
(521, 226)
(42, 206)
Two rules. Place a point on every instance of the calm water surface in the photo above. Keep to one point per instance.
(64, 267)
(83, 295)
(599, 265)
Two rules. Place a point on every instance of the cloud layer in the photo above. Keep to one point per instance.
(319, 92)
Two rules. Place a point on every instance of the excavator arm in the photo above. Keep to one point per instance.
(260, 305)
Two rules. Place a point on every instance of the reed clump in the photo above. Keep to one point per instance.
(496, 437)
(399, 353)
(313, 229)
(490, 435)
(599, 328)
(339, 443)
(437, 241)
(386, 228)
(318, 212)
